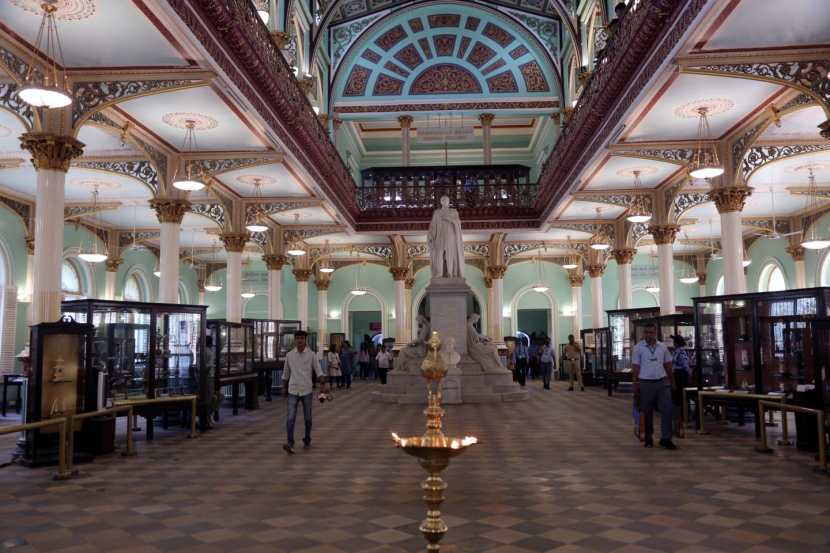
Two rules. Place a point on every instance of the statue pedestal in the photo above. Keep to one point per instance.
(468, 382)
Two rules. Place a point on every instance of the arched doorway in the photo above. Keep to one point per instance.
(363, 315)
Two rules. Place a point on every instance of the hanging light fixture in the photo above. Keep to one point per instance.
(813, 241)
(651, 287)
(714, 253)
(295, 246)
(157, 270)
(357, 290)
(214, 286)
(705, 163)
(540, 285)
(571, 260)
(92, 255)
(600, 241)
(48, 89)
(325, 260)
(186, 181)
(637, 212)
(258, 223)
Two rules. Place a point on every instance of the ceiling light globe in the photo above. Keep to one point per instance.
(188, 185)
(816, 244)
(569, 266)
(264, 16)
(212, 287)
(296, 253)
(327, 269)
(358, 292)
(600, 246)
(157, 274)
(705, 172)
(540, 289)
(747, 262)
(92, 257)
(247, 295)
(639, 218)
(653, 289)
(256, 227)
(45, 97)
(689, 279)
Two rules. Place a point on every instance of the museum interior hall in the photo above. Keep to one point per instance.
(584, 243)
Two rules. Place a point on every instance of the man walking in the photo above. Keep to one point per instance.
(521, 356)
(572, 352)
(651, 366)
(297, 380)
(547, 359)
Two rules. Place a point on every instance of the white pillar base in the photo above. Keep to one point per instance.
(665, 265)
(596, 302)
(734, 280)
(626, 294)
(233, 288)
(46, 288)
(169, 263)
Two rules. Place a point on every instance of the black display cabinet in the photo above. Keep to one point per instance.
(233, 357)
(62, 383)
(268, 350)
(144, 351)
(596, 353)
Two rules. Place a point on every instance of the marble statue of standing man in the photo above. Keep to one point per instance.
(446, 245)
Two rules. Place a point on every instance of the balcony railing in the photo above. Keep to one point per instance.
(468, 187)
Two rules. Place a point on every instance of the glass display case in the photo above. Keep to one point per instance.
(285, 341)
(820, 357)
(267, 348)
(233, 357)
(61, 383)
(758, 342)
(596, 352)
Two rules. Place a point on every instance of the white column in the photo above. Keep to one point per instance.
(408, 302)
(274, 264)
(233, 287)
(201, 296)
(665, 267)
(400, 306)
(576, 302)
(595, 273)
(797, 253)
(169, 262)
(487, 136)
(624, 273)
(302, 302)
(702, 288)
(734, 280)
(25, 295)
(322, 314)
(406, 124)
(51, 155)
(497, 274)
(109, 285)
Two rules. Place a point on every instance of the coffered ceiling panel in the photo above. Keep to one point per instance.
(558, 234)
(588, 210)
(132, 213)
(111, 186)
(344, 238)
(218, 127)
(308, 216)
(617, 172)
(98, 142)
(275, 179)
(799, 125)
(761, 201)
(793, 172)
(759, 23)
(706, 223)
(97, 33)
(671, 114)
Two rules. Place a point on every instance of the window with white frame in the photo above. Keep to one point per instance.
(772, 278)
(824, 275)
(720, 287)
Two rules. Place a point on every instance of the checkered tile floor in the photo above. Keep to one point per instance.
(561, 472)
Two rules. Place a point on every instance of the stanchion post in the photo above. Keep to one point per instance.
(764, 447)
(64, 467)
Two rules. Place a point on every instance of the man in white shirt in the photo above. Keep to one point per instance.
(651, 365)
(297, 382)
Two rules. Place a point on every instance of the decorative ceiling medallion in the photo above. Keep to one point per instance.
(714, 106)
(253, 179)
(816, 166)
(101, 184)
(644, 171)
(5, 131)
(68, 10)
(179, 120)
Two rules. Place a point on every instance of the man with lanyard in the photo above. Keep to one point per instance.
(651, 365)
(297, 380)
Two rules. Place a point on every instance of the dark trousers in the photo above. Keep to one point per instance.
(293, 403)
(347, 378)
(547, 370)
(657, 394)
(521, 370)
(382, 374)
(364, 370)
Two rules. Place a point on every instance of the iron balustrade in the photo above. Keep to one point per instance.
(467, 186)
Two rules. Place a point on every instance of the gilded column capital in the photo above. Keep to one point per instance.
(30, 245)
(796, 251)
(50, 151)
(274, 262)
(322, 284)
(409, 283)
(170, 210)
(302, 275)
(306, 84)
(576, 279)
(730, 198)
(663, 234)
(113, 263)
(280, 39)
(701, 277)
(497, 271)
(324, 119)
(595, 270)
(405, 121)
(336, 122)
(399, 273)
(488, 281)
(486, 118)
(235, 242)
(624, 256)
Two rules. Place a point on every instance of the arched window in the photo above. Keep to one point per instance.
(70, 280)
(824, 275)
(183, 297)
(772, 279)
(720, 287)
(133, 289)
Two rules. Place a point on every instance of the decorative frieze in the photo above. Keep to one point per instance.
(10, 101)
(409, 283)
(664, 234)
(50, 151)
(684, 201)
(624, 256)
(93, 95)
(215, 211)
(730, 198)
(139, 169)
(758, 156)
(170, 210)
(235, 241)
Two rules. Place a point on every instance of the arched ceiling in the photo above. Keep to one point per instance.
(445, 51)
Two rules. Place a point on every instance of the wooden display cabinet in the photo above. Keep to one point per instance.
(233, 345)
(596, 355)
(268, 356)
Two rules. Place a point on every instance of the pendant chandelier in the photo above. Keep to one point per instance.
(600, 240)
(258, 223)
(652, 287)
(295, 245)
(689, 277)
(325, 260)
(48, 89)
(714, 253)
(540, 285)
(92, 255)
(214, 286)
(185, 180)
(812, 241)
(705, 163)
(358, 290)
(637, 212)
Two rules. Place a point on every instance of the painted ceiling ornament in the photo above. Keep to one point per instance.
(253, 180)
(96, 184)
(642, 171)
(815, 166)
(5, 131)
(66, 10)
(714, 106)
(180, 120)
